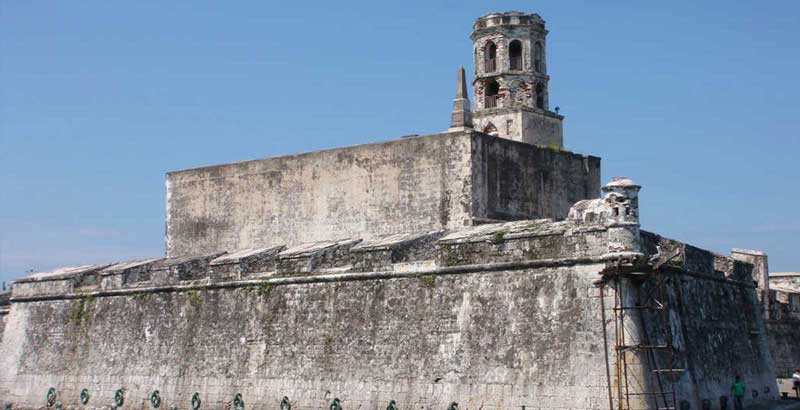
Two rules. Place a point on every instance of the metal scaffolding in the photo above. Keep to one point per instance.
(643, 373)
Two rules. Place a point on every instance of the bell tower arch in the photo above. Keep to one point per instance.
(511, 82)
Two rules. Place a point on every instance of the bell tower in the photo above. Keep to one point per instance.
(510, 87)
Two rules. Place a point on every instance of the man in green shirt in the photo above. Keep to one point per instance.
(737, 389)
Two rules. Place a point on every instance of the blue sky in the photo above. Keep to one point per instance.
(696, 101)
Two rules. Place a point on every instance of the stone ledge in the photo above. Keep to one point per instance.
(68, 272)
(313, 256)
(698, 261)
(484, 246)
(245, 262)
(339, 277)
(182, 268)
(395, 251)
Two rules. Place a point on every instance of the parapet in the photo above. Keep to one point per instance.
(785, 281)
(598, 231)
(784, 296)
(784, 305)
(492, 246)
(511, 18)
(696, 261)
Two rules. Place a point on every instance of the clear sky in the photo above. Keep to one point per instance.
(695, 100)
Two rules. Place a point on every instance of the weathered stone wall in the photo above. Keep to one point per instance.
(488, 337)
(409, 185)
(494, 316)
(490, 340)
(523, 125)
(783, 328)
(517, 181)
(713, 326)
(501, 316)
(722, 335)
(5, 306)
(780, 298)
(543, 128)
(783, 337)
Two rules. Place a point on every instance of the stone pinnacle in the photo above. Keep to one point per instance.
(461, 116)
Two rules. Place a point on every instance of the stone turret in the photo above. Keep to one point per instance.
(511, 82)
(618, 210)
(622, 196)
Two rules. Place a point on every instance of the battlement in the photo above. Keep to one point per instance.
(785, 281)
(784, 296)
(511, 18)
(597, 231)
(784, 305)
(397, 255)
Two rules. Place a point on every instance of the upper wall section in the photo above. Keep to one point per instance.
(519, 181)
(406, 185)
(414, 184)
(785, 281)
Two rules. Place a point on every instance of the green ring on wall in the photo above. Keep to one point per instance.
(238, 403)
(335, 404)
(119, 398)
(50, 398)
(155, 399)
(285, 405)
(84, 396)
(7, 406)
(392, 405)
(196, 401)
(453, 406)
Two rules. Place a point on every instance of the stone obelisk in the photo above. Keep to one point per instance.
(461, 117)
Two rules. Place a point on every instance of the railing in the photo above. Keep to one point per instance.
(489, 65)
(490, 101)
(516, 63)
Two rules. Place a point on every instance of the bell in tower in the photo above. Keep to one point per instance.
(511, 81)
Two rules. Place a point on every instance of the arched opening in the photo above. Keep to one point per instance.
(515, 55)
(538, 58)
(490, 129)
(540, 95)
(489, 57)
(490, 94)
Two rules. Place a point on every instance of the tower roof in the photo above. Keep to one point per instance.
(620, 182)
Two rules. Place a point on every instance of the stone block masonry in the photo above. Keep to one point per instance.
(404, 186)
(418, 341)
(783, 307)
(495, 316)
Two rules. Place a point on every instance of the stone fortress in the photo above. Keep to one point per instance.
(476, 268)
